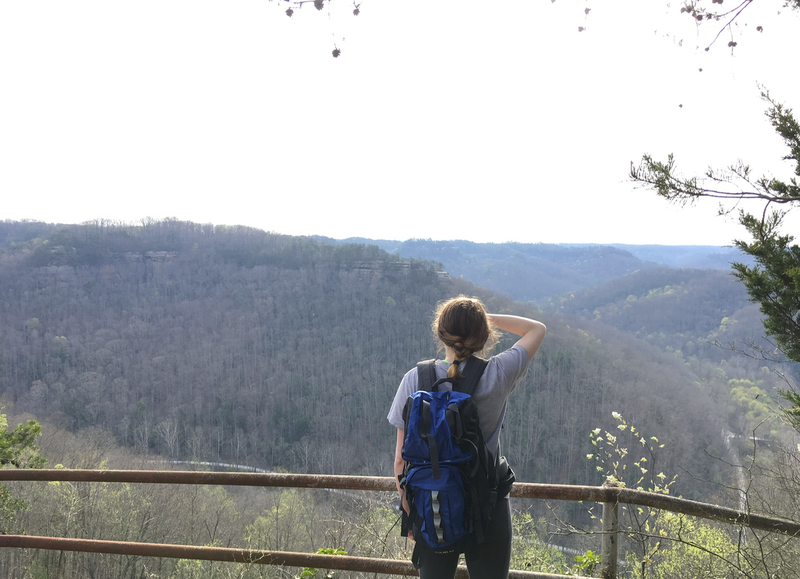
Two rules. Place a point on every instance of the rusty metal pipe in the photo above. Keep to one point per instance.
(367, 483)
(340, 562)
(372, 483)
(656, 501)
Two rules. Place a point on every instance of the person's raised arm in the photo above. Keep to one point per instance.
(530, 331)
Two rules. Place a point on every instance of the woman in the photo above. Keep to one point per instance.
(464, 328)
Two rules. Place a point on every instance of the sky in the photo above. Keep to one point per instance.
(485, 121)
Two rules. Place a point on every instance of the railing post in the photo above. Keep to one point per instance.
(610, 551)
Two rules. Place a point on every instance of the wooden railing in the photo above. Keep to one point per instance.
(609, 496)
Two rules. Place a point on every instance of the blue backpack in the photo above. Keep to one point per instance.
(451, 478)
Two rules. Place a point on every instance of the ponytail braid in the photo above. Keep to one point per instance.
(453, 371)
(462, 353)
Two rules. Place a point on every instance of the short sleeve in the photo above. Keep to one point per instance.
(511, 367)
(408, 385)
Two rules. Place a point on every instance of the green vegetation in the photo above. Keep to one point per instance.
(665, 545)
(258, 518)
(18, 449)
(313, 573)
(530, 550)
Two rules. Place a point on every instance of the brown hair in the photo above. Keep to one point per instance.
(463, 324)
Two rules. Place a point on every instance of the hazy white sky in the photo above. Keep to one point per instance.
(473, 120)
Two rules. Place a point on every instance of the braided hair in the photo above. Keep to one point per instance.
(463, 324)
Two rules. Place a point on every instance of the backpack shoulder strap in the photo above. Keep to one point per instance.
(473, 371)
(426, 375)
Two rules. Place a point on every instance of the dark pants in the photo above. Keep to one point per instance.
(491, 561)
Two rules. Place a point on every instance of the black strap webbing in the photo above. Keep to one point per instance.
(426, 375)
(453, 417)
(473, 370)
(425, 433)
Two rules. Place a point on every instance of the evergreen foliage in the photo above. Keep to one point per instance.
(774, 282)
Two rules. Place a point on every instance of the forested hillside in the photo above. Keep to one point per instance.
(705, 320)
(666, 306)
(213, 342)
(697, 313)
(524, 271)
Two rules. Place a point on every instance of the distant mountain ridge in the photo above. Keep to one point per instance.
(696, 256)
(537, 271)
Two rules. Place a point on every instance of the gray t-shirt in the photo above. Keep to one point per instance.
(503, 372)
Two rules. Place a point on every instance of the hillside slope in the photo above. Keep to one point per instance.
(228, 343)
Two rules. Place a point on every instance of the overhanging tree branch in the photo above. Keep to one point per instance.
(734, 183)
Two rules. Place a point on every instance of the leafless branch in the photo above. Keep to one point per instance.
(736, 12)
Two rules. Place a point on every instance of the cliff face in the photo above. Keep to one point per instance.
(155, 256)
(375, 270)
